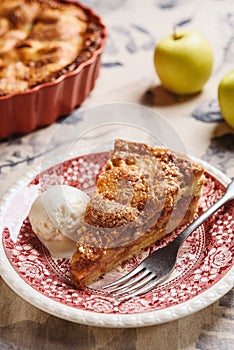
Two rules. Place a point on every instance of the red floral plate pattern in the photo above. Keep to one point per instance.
(203, 272)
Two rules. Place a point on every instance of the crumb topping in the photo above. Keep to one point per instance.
(137, 190)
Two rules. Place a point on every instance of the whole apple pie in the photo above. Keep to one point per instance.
(142, 194)
(40, 40)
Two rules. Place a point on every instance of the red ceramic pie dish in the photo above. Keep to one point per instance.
(24, 111)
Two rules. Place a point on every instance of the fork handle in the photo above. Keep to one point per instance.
(229, 195)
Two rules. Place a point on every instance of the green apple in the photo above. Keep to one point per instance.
(183, 62)
(226, 97)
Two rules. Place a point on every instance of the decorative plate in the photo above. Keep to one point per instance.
(204, 271)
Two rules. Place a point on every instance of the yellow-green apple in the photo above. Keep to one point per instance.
(226, 97)
(183, 62)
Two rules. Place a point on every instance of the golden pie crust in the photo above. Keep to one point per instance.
(142, 194)
(40, 40)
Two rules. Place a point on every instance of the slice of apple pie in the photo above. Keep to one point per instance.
(142, 194)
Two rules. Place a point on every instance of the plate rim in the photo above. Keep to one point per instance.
(69, 313)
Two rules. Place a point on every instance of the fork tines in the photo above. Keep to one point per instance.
(138, 281)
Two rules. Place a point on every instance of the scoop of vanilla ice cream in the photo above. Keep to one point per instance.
(55, 217)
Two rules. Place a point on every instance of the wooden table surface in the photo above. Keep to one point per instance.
(25, 327)
(127, 75)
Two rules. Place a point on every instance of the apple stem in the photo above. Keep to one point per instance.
(176, 35)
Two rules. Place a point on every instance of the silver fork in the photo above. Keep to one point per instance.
(158, 266)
